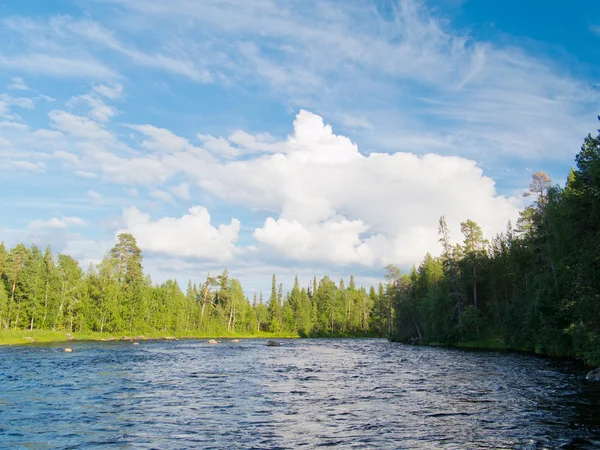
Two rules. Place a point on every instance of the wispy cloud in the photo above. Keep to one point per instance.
(18, 84)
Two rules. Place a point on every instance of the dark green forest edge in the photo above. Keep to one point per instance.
(535, 287)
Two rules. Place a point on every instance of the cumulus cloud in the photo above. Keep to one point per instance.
(55, 222)
(190, 235)
(336, 205)
(336, 240)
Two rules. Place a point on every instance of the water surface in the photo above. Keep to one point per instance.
(363, 393)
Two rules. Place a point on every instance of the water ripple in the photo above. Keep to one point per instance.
(363, 393)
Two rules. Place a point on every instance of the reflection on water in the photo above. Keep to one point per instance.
(363, 393)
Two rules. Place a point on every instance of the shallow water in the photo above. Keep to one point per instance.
(363, 393)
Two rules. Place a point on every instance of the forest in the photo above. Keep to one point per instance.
(39, 291)
(534, 287)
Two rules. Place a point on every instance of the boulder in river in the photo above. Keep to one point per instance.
(594, 375)
(136, 343)
(68, 350)
(212, 341)
(235, 340)
(273, 344)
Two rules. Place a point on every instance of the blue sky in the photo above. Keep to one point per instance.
(314, 137)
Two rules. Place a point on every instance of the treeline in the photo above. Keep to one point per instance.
(41, 291)
(535, 287)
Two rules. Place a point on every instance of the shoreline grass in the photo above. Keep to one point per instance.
(26, 337)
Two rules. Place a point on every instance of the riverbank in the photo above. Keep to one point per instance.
(494, 344)
(25, 337)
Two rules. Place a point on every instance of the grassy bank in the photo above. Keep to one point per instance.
(492, 343)
(25, 337)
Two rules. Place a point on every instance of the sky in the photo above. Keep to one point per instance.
(305, 138)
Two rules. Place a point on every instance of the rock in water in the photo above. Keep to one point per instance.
(68, 350)
(212, 341)
(594, 375)
(235, 340)
(136, 343)
(273, 344)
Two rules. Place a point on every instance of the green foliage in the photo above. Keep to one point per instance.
(537, 289)
(39, 291)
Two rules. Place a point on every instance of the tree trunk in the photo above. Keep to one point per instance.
(475, 285)
(417, 328)
(230, 318)
(204, 303)
(12, 300)
(45, 303)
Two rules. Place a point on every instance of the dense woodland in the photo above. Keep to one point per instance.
(534, 287)
(41, 291)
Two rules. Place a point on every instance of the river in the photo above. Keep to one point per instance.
(350, 393)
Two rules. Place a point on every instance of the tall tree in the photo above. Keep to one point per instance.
(474, 246)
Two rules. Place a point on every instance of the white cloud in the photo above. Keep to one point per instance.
(336, 241)
(23, 102)
(56, 222)
(99, 110)
(6, 101)
(47, 98)
(162, 196)
(4, 142)
(28, 166)
(163, 140)
(85, 174)
(190, 235)
(18, 84)
(260, 143)
(79, 126)
(112, 92)
(56, 65)
(67, 156)
(94, 195)
(182, 191)
(219, 147)
(335, 205)
(48, 135)
(355, 122)
(11, 124)
(70, 36)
